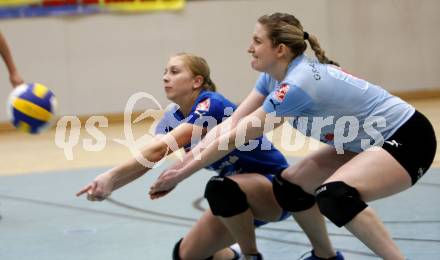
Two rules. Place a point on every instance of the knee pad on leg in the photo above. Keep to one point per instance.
(176, 250)
(339, 202)
(291, 197)
(225, 197)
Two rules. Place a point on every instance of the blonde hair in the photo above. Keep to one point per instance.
(199, 67)
(287, 29)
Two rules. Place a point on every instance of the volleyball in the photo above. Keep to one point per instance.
(31, 107)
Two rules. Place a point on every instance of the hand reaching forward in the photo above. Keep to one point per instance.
(166, 182)
(99, 189)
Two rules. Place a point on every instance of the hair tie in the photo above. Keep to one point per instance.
(306, 36)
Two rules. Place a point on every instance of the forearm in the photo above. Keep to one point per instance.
(209, 155)
(10, 65)
(6, 55)
(252, 102)
(133, 169)
(210, 137)
(247, 129)
(190, 159)
(120, 176)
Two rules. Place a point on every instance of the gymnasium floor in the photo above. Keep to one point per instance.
(42, 218)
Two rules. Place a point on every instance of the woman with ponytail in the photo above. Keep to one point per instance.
(377, 144)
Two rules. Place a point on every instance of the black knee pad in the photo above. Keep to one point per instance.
(291, 197)
(339, 202)
(176, 250)
(225, 197)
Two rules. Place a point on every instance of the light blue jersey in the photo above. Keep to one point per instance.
(333, 106)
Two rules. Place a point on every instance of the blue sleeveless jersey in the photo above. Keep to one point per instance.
(210, 109)
(328, 104)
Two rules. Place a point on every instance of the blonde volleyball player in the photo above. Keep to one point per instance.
(244, 177)
(5, 52)
(392, 147)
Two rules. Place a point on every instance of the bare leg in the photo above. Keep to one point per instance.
(313, 224)
(375, 175)
(205, 238)
(377, 239)
(309, 173)
(210, 235)
(242, 228)
(262, 206)
(224, 254)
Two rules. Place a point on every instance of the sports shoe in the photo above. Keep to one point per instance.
(312, 256)
(257, 256)
(235, 248)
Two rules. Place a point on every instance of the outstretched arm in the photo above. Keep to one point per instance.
(105, 183)
(14, 76)
(250, 127)
(251, 103)
(169, 179)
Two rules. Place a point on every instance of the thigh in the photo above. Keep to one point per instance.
(260, 196)
(205, 238)
(314, 169)
(375, 174)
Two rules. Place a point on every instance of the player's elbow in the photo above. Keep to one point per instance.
(155, 153)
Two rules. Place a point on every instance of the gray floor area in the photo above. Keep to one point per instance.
(42, 219)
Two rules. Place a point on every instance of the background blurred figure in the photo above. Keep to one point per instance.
(14, 76)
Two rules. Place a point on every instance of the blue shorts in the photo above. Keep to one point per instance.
(284, 214)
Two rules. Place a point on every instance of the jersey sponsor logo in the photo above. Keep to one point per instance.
(280, 93)
(315, 71)
(204, 105)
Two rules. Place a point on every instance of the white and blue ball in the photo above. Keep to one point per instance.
(32, 107)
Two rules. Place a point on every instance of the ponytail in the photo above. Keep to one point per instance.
(319, 53)
(209, 85)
